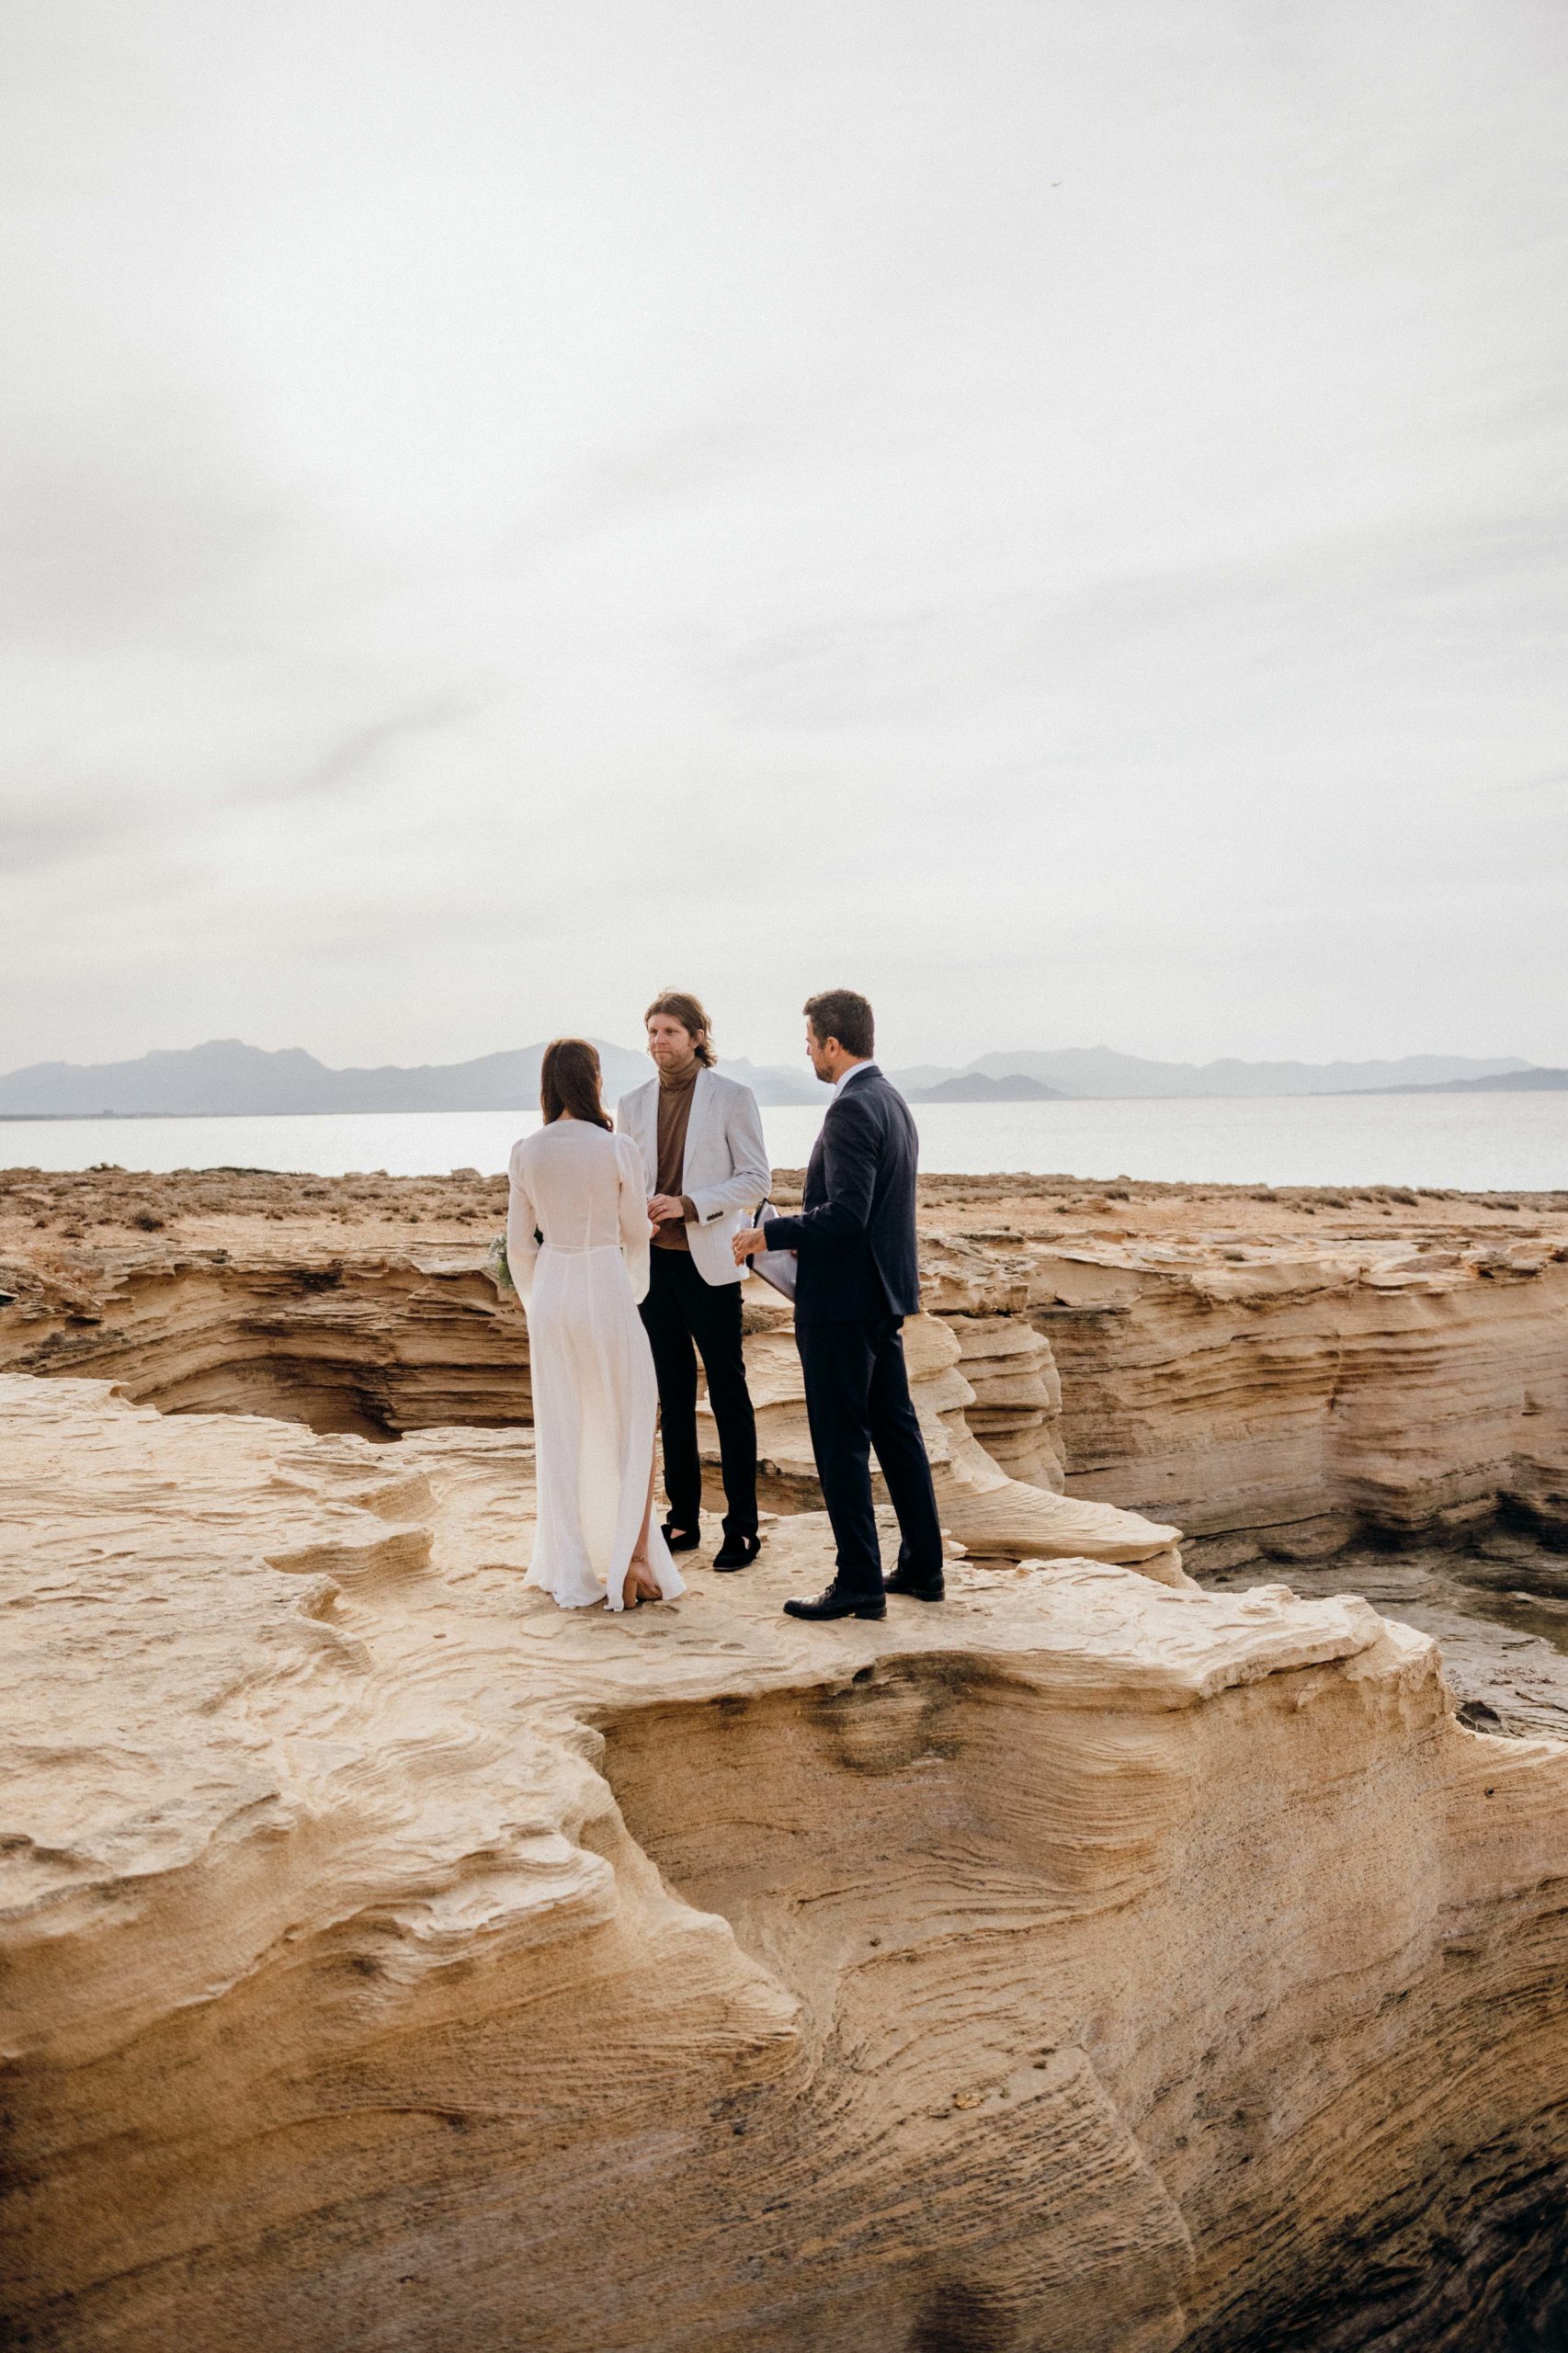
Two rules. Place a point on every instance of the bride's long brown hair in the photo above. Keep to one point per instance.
(569, 1081)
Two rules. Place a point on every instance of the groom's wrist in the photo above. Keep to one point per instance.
(688, 1209)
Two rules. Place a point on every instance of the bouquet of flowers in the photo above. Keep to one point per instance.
(496, 1268)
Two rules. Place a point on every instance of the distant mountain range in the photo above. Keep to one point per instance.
(227, 1076)
(975, 1086)
(1099, 1072)
(1533, 1080)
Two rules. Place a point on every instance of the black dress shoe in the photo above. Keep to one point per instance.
(834, 1604)
(738, 1551)
(915, 1588)
(681, 1539)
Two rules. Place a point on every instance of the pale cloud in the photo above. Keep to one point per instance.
(1054, 516)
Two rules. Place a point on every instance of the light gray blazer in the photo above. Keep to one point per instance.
(724, 1174)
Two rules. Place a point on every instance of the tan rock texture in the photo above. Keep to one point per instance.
(1286, 1403)
(394, 1961)
(981, 1505)
(305, 1300)
(1275, 1372)
(378, 1340)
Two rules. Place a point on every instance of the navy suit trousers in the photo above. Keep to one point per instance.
(857, 1399)
(681, 1308)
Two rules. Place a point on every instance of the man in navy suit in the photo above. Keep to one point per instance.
(858, 1278)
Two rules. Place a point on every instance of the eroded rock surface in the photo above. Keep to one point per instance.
(395, 1962)
(375, 1332)
(1277, 1373)
(1288, 1405)
(1498, 1608)
(378, 1340)
(982, 1505)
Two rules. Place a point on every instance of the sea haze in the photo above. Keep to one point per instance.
(1472, 1142)
(227, 1076)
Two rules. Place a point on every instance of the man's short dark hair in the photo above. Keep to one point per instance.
(845, 1015)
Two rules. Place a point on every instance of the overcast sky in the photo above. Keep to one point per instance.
(1050, 513)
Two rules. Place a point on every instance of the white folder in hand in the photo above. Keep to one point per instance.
(776, 1267)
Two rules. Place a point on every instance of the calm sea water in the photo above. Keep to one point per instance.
(1471, 1141)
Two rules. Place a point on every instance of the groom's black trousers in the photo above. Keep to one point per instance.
(857, 1398)
(681, 1309)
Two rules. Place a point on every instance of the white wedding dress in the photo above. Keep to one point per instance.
(595, 1397)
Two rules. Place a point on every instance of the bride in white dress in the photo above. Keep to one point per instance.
(577, 1235)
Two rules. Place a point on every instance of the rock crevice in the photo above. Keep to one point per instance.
(394, 1959)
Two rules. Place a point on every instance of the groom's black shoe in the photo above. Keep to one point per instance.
(915, 1588)
(738, 1551)
(681, 1539)
(837, 1604)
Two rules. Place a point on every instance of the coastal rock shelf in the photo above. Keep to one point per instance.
(1287, 1405)
(1281, 1400)
(381, 1341)
(1279, 1374)
(986, 1509)
(391, 1961)
(370, 1343)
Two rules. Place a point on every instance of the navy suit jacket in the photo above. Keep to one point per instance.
(855, 1234)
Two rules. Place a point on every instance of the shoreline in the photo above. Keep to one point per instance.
(951, 1103)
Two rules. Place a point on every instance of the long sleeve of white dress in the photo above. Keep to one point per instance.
(636, 1230)
(522, 1228)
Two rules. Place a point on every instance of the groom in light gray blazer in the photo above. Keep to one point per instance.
(706, 1165)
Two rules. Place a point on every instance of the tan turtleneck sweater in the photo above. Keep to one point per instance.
(676, 1091)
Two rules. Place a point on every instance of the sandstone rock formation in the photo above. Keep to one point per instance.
(1015, 1406)
(985, 1510)
(1284, 1404)
(374, 1341)
(1497, 1608)
(378, 1341)
(394, 1961)
(1275, 1372)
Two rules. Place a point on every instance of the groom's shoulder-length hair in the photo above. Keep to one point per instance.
(680, 1005)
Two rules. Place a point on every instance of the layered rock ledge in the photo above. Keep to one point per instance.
(1369, 1386)
(394, 1961)
(1275, 1372)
